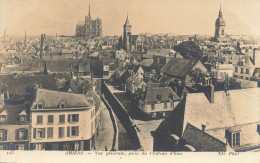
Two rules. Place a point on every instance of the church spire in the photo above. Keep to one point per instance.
(89, 10)
(220, 12)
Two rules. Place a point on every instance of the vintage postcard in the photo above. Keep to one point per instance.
(139, 79)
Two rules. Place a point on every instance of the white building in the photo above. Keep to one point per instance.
(63, 121)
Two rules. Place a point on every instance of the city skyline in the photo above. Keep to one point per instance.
(177, 17)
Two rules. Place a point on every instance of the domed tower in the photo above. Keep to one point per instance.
(220, 27)
(127, 39)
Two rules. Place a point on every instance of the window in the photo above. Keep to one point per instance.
(63, 104)
(247, 71)
(152, 106)
(39, 106)
(258, 128)
(49, 132)
(62, 119)
(39, 133)
(22, 118)
(75, 131)
(3, 118)
(172, 104)
(38, 146)
(50, 119)
(236, 139)
(165, 105)
(39, 119)
(236, 69)
(61, 132)
(21, 134)
(3, 135)
(233, 138)
(247, 78)
(72, 118)
(241, 77)
(242, 70)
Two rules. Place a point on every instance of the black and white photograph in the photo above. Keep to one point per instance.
(140, 77)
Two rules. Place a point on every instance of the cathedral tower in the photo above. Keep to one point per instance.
(220, 28)
(127, 39)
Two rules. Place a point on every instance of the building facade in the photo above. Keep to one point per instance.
(90, 28)
(70, 122)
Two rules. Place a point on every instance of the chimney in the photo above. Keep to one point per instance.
(254, 56)
(211, 93)
(41, 47)
(203, 127)
(25, 41)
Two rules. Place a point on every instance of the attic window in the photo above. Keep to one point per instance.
(22, 118)
(40, 104)
(159, 97)
(62, 104)
(3, 118)
(233, 138)
(171, 96)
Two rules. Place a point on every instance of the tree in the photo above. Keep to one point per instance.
(189, 50)
(197, 77)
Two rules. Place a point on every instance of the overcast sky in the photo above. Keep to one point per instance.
(155, 16)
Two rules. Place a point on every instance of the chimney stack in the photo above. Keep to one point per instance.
(41, 48)
(25, 40)
(254, 56)
(211, 93)
(203, 127)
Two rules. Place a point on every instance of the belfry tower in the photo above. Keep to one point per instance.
(127, 39)
(220, 24)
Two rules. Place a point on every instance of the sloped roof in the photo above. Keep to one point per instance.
(146, 62)
(201, 140)
(152, 92)
(178, 67)
(52, 99)
(239, 107)
(12, 112)
(61, 65)
(158, 52)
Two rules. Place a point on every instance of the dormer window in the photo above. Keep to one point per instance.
(22, 118)
(62, 104)
(159, 97)
(40, 104)
(3, 118)
(233, 137)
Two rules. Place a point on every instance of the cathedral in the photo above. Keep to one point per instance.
(220, 24)
(90, 28)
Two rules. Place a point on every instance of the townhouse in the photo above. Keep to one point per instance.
(63, 121)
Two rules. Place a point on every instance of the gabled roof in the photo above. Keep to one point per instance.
(164, 92)
(12, 112)
(202, 141)
(178, 67)
(53, 98)
(241, 106)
